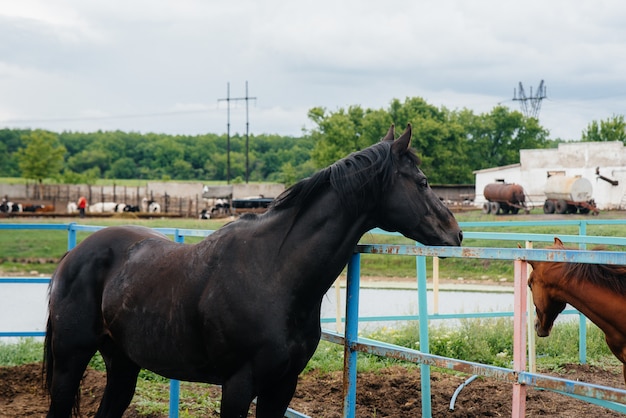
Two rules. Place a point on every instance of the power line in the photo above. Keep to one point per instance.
(89, 118)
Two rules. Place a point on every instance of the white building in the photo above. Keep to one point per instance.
(602, 163)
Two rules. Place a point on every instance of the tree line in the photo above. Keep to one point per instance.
(451, 144)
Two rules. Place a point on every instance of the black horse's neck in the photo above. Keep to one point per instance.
(322, 218)
(318, 241)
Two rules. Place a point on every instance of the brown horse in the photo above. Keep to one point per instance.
(240, 308)
(596, 290)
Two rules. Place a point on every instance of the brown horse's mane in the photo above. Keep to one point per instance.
(609, 276)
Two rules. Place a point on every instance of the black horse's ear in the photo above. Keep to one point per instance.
(402, 144)
(391, 134)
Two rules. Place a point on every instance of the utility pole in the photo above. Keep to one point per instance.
(229, 99)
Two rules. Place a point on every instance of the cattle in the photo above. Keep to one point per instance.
(72, 207)
(33, 208)
(10, 207)
(150, 206)
(107, 207)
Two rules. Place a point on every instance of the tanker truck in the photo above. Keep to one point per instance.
(504, 198)
(569, 194)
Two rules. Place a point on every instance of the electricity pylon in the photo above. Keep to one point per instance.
(531, 105)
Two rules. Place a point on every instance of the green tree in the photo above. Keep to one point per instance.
(611, 129)
(337, 135)
(10, 142)
(124, 168)
(438, 140)
(494, 139)
(88, 159)
(181, 170)
(42, 156)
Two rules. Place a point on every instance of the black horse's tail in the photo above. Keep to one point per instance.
(48, 356)
(48, 359)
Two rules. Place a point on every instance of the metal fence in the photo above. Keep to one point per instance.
(521, 379)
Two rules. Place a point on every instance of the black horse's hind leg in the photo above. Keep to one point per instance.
(237, 394)
(122, 375)
(67, 373)
(274, 400)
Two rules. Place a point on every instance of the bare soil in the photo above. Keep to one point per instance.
(392, 392)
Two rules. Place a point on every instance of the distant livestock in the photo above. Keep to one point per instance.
(114, 207)
(150, 206)
(72, 207)
(107, 207)
(10, 207)
(504, 198)
(34, 208)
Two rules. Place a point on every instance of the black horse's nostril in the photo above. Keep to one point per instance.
(460, 236)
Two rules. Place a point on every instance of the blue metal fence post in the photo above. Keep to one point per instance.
(351, 336)
(175, 384)
(71, 236)
(422, 301)
(174, 398)
(582, 321)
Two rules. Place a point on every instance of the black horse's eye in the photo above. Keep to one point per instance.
(423, 183)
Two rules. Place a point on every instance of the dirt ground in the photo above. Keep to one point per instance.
(393, 392)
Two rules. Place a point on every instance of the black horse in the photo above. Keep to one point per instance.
(242, 307)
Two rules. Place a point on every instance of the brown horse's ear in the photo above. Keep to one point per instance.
(528, 261)
(402, 144)
(558, 243)
(391, 134)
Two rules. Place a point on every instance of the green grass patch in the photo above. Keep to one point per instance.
(26, 350)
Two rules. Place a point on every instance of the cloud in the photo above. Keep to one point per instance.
(74, 59)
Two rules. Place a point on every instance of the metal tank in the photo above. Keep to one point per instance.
(504, 198)
(574, 189)
(569, 194)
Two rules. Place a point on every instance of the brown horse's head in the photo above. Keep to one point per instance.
(543, 282)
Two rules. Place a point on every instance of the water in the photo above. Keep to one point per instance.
(397, 302)
(23, 307)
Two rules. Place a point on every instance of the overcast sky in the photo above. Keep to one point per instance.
(162, 66)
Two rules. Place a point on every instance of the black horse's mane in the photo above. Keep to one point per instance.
(609, 276)
(349, 177)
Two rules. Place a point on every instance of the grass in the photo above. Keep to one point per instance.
(39, 249)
